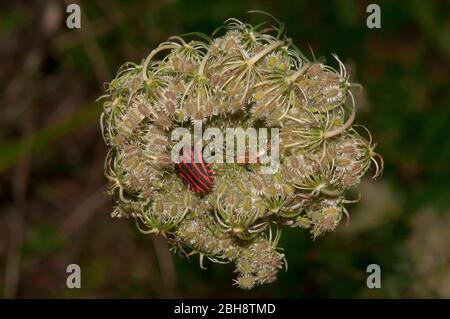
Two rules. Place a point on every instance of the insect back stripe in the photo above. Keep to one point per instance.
(202, 169)
(194, 179)
(195, 172)
(186, 176)
(190, 169)
(189, 183)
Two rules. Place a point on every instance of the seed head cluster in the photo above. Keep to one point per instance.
(245, 77)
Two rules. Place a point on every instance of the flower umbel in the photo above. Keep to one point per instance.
(245, 77)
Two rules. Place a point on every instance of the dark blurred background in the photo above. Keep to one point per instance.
(53, 211)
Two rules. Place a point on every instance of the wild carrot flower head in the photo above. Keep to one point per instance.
(246, 77)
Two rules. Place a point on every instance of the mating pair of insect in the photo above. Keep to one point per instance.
(195, 172)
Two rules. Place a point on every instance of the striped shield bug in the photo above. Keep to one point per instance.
(193, 170)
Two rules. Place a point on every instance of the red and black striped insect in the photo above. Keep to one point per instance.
(193, 170)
